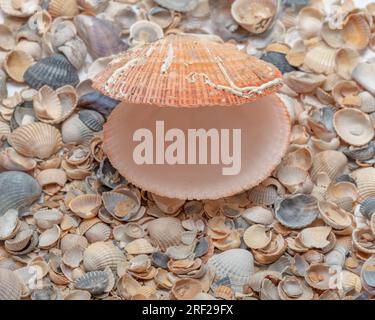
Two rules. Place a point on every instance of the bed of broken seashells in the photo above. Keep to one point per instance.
(72, 228)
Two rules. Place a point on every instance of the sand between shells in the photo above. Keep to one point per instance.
(72, 228)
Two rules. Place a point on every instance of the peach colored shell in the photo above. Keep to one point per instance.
(187, 71)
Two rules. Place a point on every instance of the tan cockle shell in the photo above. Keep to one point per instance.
(7, 41)
(330, 162)
(165, 232)
(168, 205)
(320, 59)
(52, 180)
(321, 276)
(16, 63)
(315, 237)
(186, 289)
(356, 31)
(38, 140)
(365, 180)
(364, 240)
(272, 252)
(139, 246)
(334, 216)
(9, 224)
(255, 16)
(63, 8)
(144, 31)
(353, 126)
(345, 94)
(55, 106)
(46, 218)
(346, 60)
(292, 288)
(309, 22)
(99, 255)
(19, 8)
(10, 285)
(258, 215)
(10, 159)
(49, 237)
(86, 206)
(257, 236)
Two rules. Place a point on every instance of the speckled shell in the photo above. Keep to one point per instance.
(37, 139)
(237, 264)
(99, 255)
(229, 76)
(17, 189)
(10, 285)
(165, 232)
(54, 71)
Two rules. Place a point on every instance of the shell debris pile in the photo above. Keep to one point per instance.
(71, 227)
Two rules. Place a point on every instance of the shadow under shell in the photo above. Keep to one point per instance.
(265, 130)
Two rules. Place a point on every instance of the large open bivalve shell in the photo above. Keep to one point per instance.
(10, 285)
(221, 83)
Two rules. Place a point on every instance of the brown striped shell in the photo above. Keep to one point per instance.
(170, 72)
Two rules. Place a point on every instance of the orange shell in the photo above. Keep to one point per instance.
(187, 71)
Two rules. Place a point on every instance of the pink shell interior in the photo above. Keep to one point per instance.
(265, 126)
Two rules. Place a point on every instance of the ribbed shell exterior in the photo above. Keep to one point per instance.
(37, 139)
(54, 71)
(365, 179)
(99, 255)
(165, 232)
(236, 264)
(10, 285)
(187, 71)
(92, 119)
(17, 189)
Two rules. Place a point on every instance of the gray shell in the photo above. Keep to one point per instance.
(95, 282)
(278, 60)
(298, 211)
(102, 37)
(367, 207)
(17, 190)
(54, 71)
(181, 5)
(201, 248)
(3, 85)
(92, 119)
(160, 260)
(361, 153)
